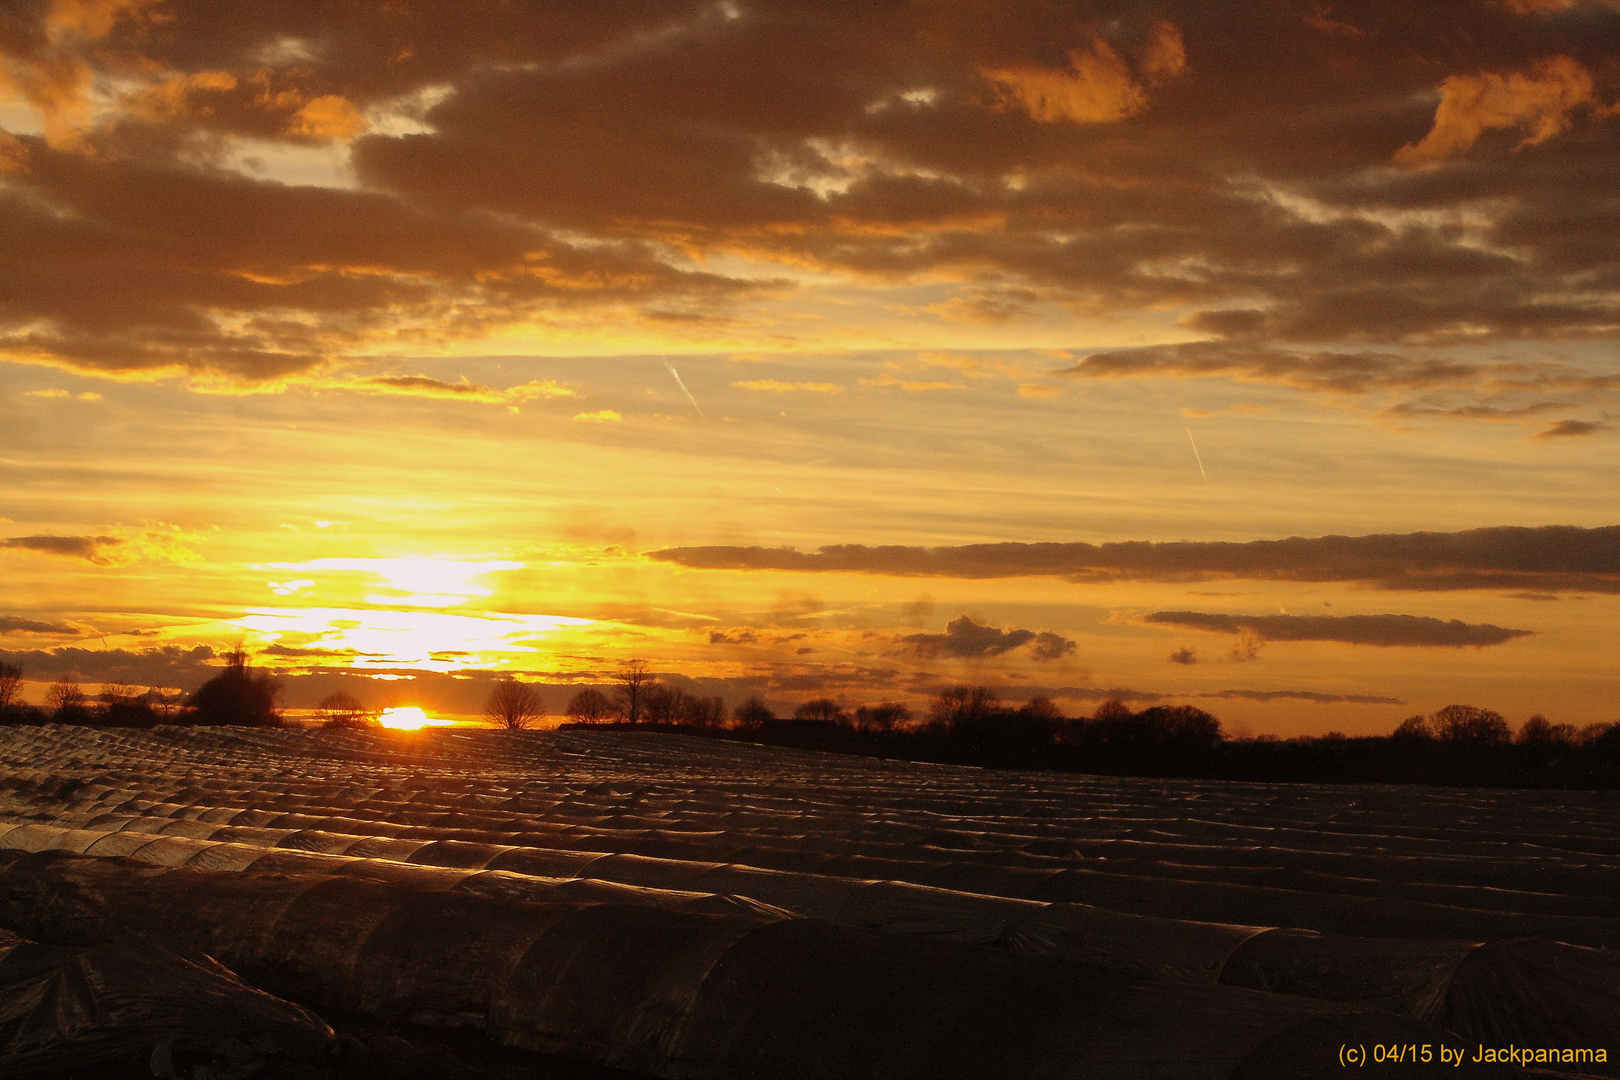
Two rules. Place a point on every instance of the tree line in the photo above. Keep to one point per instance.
(1460, 744)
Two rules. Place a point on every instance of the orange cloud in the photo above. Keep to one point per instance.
(172, 97)
(327, 117)
(887, 381)
(1471, 105)
(1098, 89)
(427, 386)
(1165, 56)
(1542, 7)
(780, 387)
(91, 19)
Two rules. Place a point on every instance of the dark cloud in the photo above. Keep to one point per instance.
(1564, 429)
(1433, 173)
(966, 639)
(1149, 697)
(1183, 656)
(1543, 559)
(91, 548)
(1050, 646)
(1416, 630)
(1311, 696)
(168, 665)
(10, 624)
(734, 637)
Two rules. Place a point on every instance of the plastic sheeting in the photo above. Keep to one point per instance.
(663, 992)
(136, 1009)
(1149, 879)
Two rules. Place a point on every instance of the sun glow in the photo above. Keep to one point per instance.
(428, 640)
(422, 581)
(409, 718)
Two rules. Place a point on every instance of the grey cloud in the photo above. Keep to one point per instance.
(1383, 630)
(1551, 558)
(966, 639)
(167, 665)
(1357, 372)
(735, 637)
(74, 547)
(1564, 429)
(1183, 656)
(1302, 695)
(1148, 697)
(781, 134)
(10, 624)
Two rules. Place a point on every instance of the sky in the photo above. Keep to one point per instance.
(1260, 356)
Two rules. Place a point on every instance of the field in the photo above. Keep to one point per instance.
(216, 902)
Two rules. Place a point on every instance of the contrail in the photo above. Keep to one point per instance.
(1196, 456)
(682, 385)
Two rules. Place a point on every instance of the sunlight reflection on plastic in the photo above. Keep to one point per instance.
(409, 718)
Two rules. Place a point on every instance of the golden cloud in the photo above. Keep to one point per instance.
(1471, 105)
(777, 386)
(1098, 88)
(429, 387)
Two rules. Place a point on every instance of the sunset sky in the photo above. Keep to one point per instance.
(807, 349)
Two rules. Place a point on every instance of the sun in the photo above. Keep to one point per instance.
(409, 718)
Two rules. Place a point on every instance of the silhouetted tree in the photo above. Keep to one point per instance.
(883, 717)
(341, 709)
(237, 695)
(10, 687)
(513, 705)
(1174, 728)
(634, 680)
(752, 715)
(1413, 731)
(1112, 709)
(1539, 731)
(123, 707)
(1470, 724)
(1591, 734)
(1602, 741)
(163, 706)
(590, 706)
(67, 702)
(663, 704)
(957, 708)
(1037, 721)
(823, 710)
(705, 712)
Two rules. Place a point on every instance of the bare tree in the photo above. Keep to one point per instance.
(65, 698)
(825, 710)
(707, 712)
(662, 704)
(10, 684)
(590, 706)
(341, 709)
(635, 679)
(1539, 731)
(1413, 730)
(752, 715)
(1470, 724)
(960, 707)
(883, 717)
(512, 705)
